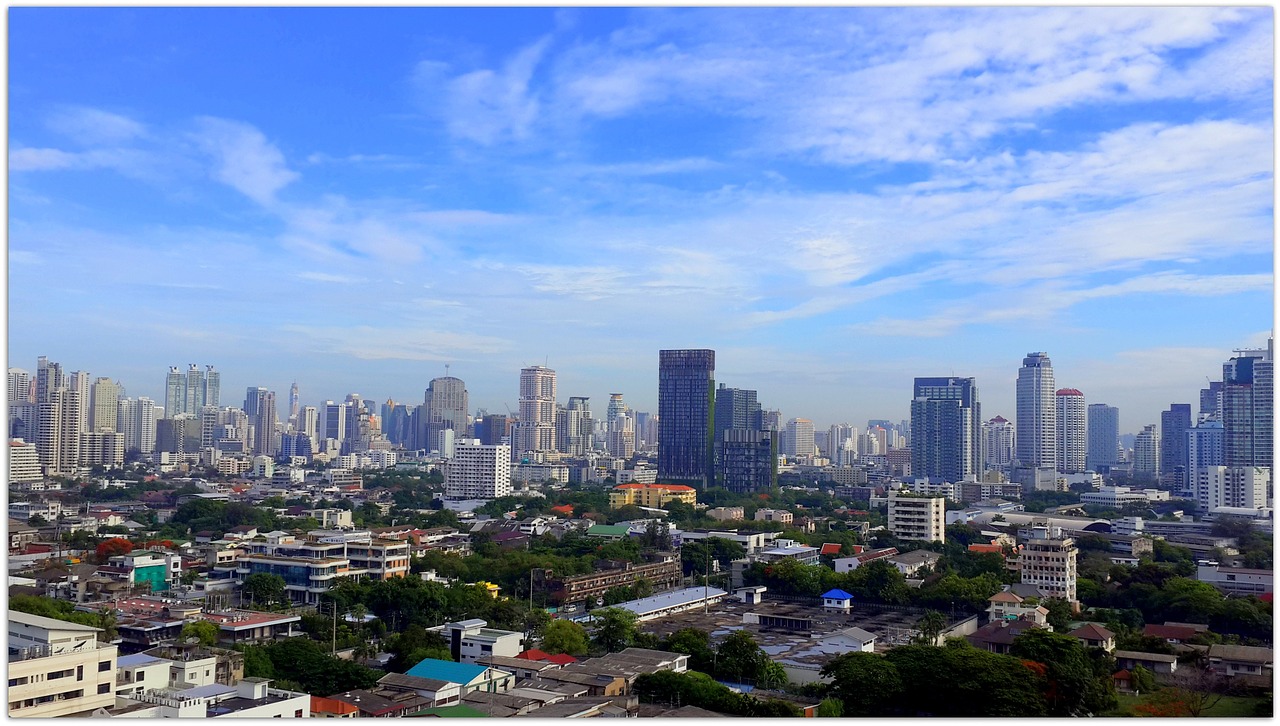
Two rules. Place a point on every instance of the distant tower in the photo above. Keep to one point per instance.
(105, 404)
(1174, 425)
(946, 429)
(1146, 450)
(998, 434)
(798, 440)
(686, 399)
(1103, 437)
(194, 394)
(212, 386)
(1248, 417)
(1071, 435)
(536, 429)
(446, 403)
(295, 402)
(1037, 422)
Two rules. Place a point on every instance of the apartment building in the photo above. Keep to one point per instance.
(57, 668)
(470, 640)
(917, 518)
(774, 515)
(651, 495)
(1048, 561)
(663, 572)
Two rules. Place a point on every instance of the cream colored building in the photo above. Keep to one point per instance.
(1048, 561)
(57, 668)
(651, 495)
(774, 515)
(917, 518)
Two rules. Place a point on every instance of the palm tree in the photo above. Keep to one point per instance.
(931, 626)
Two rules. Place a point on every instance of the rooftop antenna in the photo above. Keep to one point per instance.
(446, 370)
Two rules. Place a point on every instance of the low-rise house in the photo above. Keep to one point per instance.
(439, 692)
(1008, 605)
(1158, 663)
(1171, 634)
(1240, 660)
(521, 667)
(912, 562)
(998, 636)
(1093, 635)
(849, 640)
(470, 640)
(372, 704)
(322, 707)
(849, 564)
(469, 676)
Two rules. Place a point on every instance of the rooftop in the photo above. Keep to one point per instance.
(444, 670)
(671, 598)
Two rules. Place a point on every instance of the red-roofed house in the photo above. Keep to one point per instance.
(1172, 634)
(831, 548)
(538, 655)
(565, 509)
(1123, 681)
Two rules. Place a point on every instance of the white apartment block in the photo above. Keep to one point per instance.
(1223, 486)
(470, 640)
(917, 518)
(478, 471)
(58, 668)
(24, 462)
(1048, 561)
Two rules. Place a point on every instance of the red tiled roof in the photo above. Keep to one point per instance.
(1121, 675)
(1092, 631)
(1069, 392)
(533, 654)
(831, 548)
(319, 704)
(994, 549)
(561, 659)
(1166, 632)
(564, 508)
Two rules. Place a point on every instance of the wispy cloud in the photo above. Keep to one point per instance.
(94, 126)
(244, 159)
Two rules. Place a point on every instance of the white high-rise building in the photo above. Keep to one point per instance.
(1230, 486)
(24, 463)
(1037, 421)
(1146, 450)
(536, 429)
(798, 438)
(58, 435)
(82, 384)
(917, 518)
(1048, 561)
(19, 388)
(175, 393)
(477, 471)
(308, 420)
(998, 435)
(1072, 438)
(622, 436)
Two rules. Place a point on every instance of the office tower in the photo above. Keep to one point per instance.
(493, 428)
(737, 408)
(210, 426)
(445, 443)
(686, 416)
(622, 436)
(1230, 486)
(1104, 437)
(837, 434)
(395, 422)
(1037, 420)
(175, 393)
(295, 403)
(309, 422)
(82, 384)
(615, 409)
(772, 420)
(19, 385)
(1248, 409)
(1071, 436)
(105, 402)
(917, 518)
(536, 429)
(195, 391)
(1174, 425)
(998, 437)
(49, 377)
(798, 440)
(478, 471)
(1048, 561)
(946, 425)
(574, 427)
(264, 422)
(1146, 451)
(335, 421)
(357, 426)
(212, 386)
(253, 397)
(1205, 445)
(869, 444)
(446, 402)
(1211, 401)
(747, 460)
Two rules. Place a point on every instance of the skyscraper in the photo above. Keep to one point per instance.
(1071, 437)
(737, 408)
(137, 423)
(212, 386)
(105, 403)
(615, 409)
(295, 401)
(574, 427)
(798, 439)
(998, 436)
(446, 403)
(686, 416)
(1248, 411)
(536, 429)
(747, 460)
(946, 426)
(1146, 451)
(19, 384)
(1174, 425)
(175, 393)
(1037, 422)
(264, 424)
(195, 392)
(1104, 437)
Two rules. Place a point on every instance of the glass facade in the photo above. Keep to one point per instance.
(686, 416)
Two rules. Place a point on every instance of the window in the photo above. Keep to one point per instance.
(297, 714)
(18, 681)
(104, 666)
(104, 688)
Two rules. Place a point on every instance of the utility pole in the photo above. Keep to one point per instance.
(335, 627)
(706, 587)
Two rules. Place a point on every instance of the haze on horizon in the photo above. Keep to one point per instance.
(835, 200)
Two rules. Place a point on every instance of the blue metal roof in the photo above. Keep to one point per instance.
(837, 594)
(446, 670)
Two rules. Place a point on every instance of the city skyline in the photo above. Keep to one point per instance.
(836, 201)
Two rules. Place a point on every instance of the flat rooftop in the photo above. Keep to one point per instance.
(793, 647)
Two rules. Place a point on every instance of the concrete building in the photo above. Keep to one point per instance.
(57, 668)
(1223, 486)
(774, 515)
(470, 640)
(1037, 419)
(24, 463)
(477, 471)
(1236, 580)
(1103, 437)
(686, 400)
(1174, 461)
(1248, 408)
(1048, 561)
(1072, 442)
(946, 430)
(1146, 451)
(445, 403)
(998, 438)
(536, 429)
(917, 518)
(650, 495)
(797, 441)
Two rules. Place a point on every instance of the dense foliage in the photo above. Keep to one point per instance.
(304, 665)
(699, 689)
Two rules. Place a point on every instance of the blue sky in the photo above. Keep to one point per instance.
(835, 199)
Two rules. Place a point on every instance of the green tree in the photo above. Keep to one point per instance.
(866, 684)
(739, 659)
(694, 643)
(1060, 613)
(565, 636)
(615, 629)
(930, 626)
(830, 708)
(1141, 679)
(205, 632)
(264, 589)
(1073, 687)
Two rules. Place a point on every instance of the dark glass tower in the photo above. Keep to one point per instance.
(946, 427)
(1174, 425)
(686, 416)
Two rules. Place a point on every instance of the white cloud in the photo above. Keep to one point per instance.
(244, 159)
(485, 106)
(367, 342)
(94, 127)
